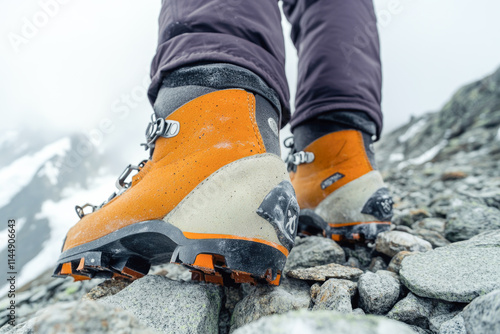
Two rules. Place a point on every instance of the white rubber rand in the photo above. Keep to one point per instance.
(344, 205)
(226, 202)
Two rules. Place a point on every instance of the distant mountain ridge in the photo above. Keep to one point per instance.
(38, 182)
(469, 122)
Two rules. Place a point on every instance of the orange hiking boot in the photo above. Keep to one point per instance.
(338, 189)
(214, 196)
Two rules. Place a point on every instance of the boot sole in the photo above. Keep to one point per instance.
(356, 232)
(130, 252)
(311, 223)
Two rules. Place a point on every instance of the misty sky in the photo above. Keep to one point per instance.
(92, 57)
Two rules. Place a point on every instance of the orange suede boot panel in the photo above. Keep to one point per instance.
(215, 130)
(340, 152)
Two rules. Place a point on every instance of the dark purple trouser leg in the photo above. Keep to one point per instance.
(339, 58)
(337, 41)
(240, 32)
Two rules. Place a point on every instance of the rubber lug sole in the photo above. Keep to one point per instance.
(131, 251)
(357, 232)
(311, 223)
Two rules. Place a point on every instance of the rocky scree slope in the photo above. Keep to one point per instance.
(436, 271)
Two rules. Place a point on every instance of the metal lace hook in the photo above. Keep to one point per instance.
(80, 210)
(288, 142)
(120, 182)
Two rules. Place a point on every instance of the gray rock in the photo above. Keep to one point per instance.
(24, 296)
(442, 204)
(358, 311)
(435, 239)
(173, 271)
(392, 242)
(483, 314)
(407, 216)
(432, 224)
(70, 291)
(171, 306)
(324, 322)
(335, 295)
(401, 228)
(459, 272)
(467, 219)
(419, 330)
(25, 327)
(353, 262)
(322, 273)
(315, 288)
(362, 254)
(233, 296)
(413, 310)
(443, 312)
(350, 286)
(39, 295)
(377, 292)
(388, 273)
(337, 298)
(484, 240)
(377, 264)
(454, 326)
(435, 322)
(81, 317)
(268, 300)
(106, 288)
(395, 264)
(314, 251)
(402, 218)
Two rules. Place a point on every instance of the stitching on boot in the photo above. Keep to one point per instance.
(252, 111)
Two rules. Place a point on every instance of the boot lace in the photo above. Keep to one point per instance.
(157, 127)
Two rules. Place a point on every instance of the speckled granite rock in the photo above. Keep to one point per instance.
(335, 295)
(393, 242)
(266, 300)
(81, 317)
(171, 306)
(324, 322)
(314, 251)
(322, 273)
(459, 272)
(482, 316)
(377, 292)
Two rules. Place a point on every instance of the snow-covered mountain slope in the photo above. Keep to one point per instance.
(467, 125)
(40, 185)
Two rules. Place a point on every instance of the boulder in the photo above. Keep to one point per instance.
(335, 295)
(267, 300)
(377, 292)
(322, 273)
(324, 322)
(171, 306)
(81, 317)
(314, 251)
(413, 310)
(483, 314)
(392, 242)
(459, 272)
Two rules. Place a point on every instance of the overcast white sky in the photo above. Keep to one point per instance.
(92, 54)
